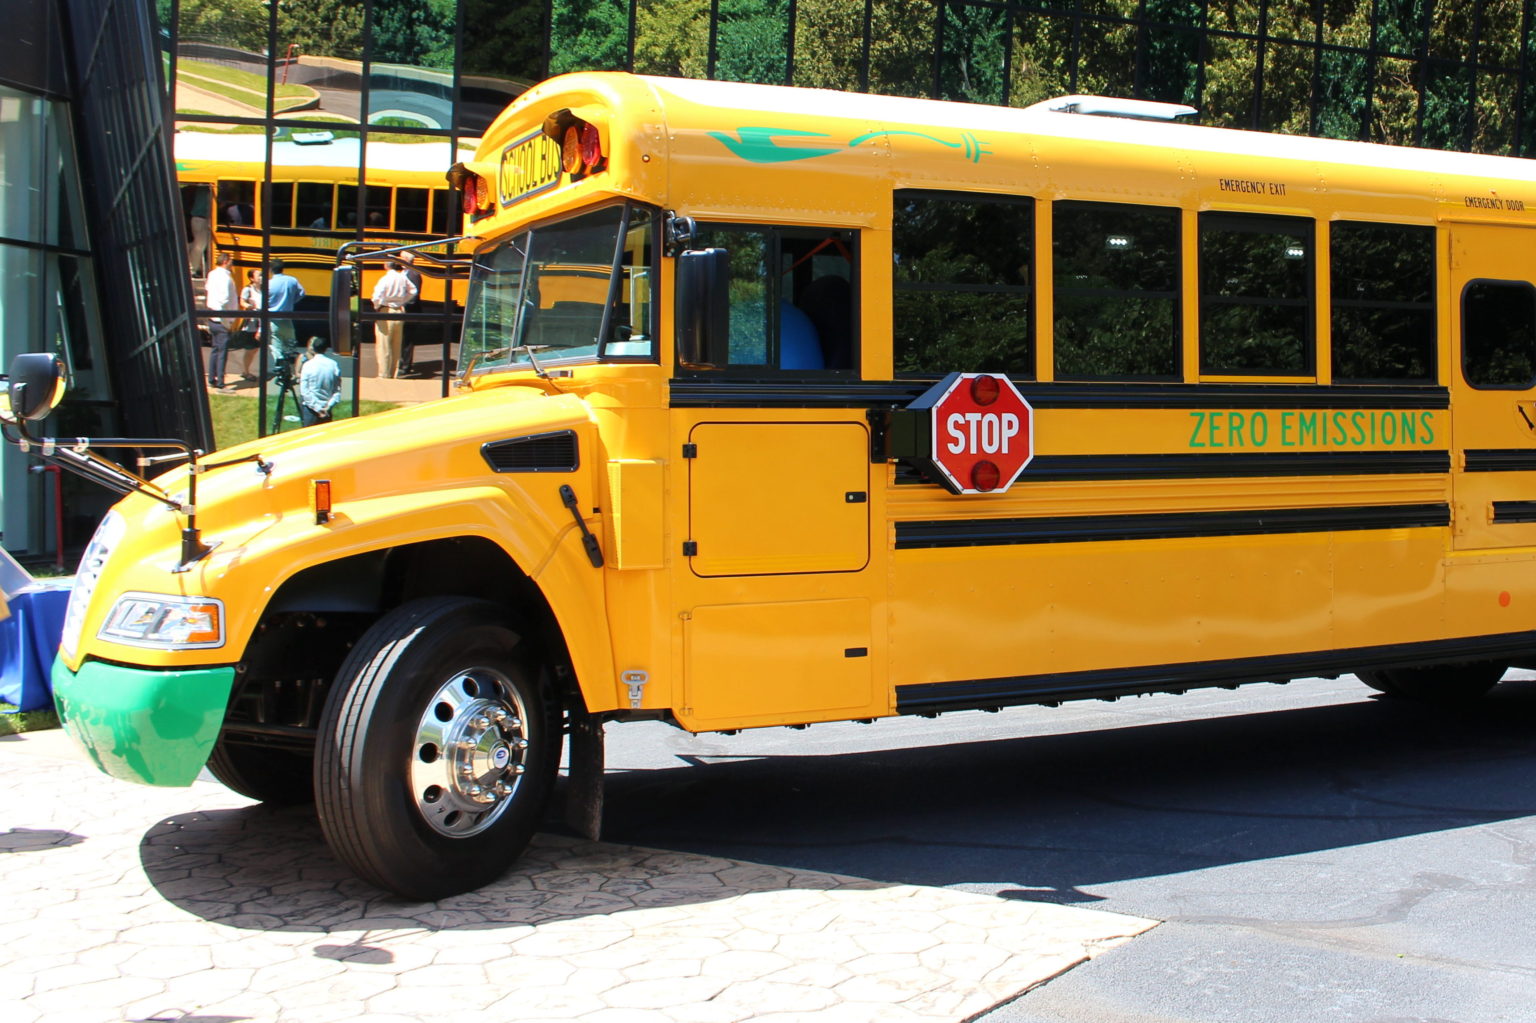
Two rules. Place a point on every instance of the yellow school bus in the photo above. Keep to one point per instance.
(785, 406)
(310, 205)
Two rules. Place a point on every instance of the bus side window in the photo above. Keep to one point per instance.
(410, 210)
(280, 213)
(444, 210)
(313, 206)
(963, 273)
(1382, 295)
(1116, 309)
(376, 212)
(1498, 334)
(237, 204)
(792, 297)
(1256, 295)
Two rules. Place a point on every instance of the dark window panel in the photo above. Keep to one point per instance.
(963, 279)
(1382, 287)
(1493, 115)
(1498, 334)
(1255, 295)
(1116, 293)
(1108, 66)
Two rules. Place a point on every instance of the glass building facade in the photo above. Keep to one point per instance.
(138, 134)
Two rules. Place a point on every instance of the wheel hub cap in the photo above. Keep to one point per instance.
(470, 752)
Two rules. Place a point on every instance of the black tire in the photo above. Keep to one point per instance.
(391, 788)
(277, 776)
(1442, 684)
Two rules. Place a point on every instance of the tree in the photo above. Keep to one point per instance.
(589, 35)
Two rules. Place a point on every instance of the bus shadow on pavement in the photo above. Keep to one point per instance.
(1046, 817)
(268, 868)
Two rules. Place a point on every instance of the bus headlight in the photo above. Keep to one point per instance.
(165, 622)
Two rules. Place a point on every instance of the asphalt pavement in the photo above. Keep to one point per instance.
(1315, 852)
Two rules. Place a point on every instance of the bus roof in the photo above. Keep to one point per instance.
(249, 153)
(756, 152)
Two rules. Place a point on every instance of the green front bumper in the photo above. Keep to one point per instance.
(151, 726)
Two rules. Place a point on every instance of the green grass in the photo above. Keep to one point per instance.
(234, 416)
(240, 86)
(26, 721)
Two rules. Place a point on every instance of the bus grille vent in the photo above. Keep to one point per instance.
(543, 452)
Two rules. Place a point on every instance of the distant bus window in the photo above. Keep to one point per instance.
(1116, 290)
(963, 270)
(313, 206)
(1498, 334)
(1255, 294)
(280, 211)
(411, 210)
(346, 208)
(237, 204)
(376, 211)
(1382, 296)
(445, 209)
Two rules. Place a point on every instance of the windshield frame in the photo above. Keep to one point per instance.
(513, 356)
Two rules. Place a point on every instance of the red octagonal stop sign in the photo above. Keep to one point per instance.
(981, 429)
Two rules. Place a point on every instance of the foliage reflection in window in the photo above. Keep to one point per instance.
(1498, 334)
(1382, 296)
(963, 273)
(1116, 290)
(1255, 295)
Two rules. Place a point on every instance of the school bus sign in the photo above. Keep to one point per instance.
(981, 432)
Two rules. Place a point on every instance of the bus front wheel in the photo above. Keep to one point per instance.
(438, 748)
(1439, 683)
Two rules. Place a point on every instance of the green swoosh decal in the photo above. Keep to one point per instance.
(757, 145)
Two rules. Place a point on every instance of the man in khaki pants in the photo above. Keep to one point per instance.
(391, 295)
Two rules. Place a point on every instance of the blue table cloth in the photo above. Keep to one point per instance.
(29, 639)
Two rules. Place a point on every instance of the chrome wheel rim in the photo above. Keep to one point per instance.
(470, 753)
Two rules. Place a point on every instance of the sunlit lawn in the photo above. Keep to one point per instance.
(234, 416)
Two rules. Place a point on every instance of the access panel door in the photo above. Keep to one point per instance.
(777, 498)
(1493, 385)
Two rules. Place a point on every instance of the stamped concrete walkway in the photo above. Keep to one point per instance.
(128, 903)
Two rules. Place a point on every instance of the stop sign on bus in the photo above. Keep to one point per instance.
(981, 432)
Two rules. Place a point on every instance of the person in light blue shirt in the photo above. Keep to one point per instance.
(283, 294)
(319, 383)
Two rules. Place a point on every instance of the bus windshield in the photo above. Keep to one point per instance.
(577, 289)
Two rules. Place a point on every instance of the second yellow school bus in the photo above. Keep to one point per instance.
(786, 406)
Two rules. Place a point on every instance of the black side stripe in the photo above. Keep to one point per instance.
(833, 391)
(1501, 460)
(1514, 511)
(933, 697)
(916, 535)
(1083, 468)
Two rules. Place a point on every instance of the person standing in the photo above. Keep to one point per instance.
(249, 336)
(283, 294)
(198, 227)
(407, 344)
(391, 295)
(319, 383)
(219, 293)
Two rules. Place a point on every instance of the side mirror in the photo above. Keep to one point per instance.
(36, 386)
(704, 308)
(343, 286)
